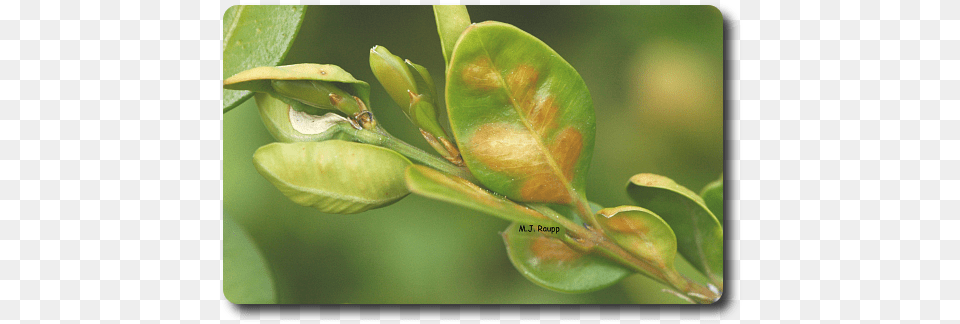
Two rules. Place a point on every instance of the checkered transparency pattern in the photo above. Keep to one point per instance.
(844, 137)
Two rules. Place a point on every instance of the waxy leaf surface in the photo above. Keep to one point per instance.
(334, 176)
(699, 235)
(712, 195)
(642, 233)
(522, 116)
(256, 36)
(437, 185)
(332, 77)
(289, 125)
(247, 278)
(549, 262)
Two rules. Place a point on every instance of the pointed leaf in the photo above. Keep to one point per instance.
(699, 235)
(451, 22)
(334, 176)
(549, 262)
(256, 36)
(642, 233)
(712, 195)
(437, 185)
(289, 125)
(304, 85)
(522, 116)
(247, 278)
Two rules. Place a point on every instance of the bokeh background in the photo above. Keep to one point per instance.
(656, 77)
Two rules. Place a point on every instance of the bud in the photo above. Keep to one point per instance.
(412, 88)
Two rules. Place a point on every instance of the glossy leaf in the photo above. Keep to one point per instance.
(451, 22)
(306, 87)
(699, 235)
(522, 116)
(437, 185)
(549, 262)
(247, 278)
(642, 233)
(334, 176)
(712, 195)
(289, 125)
(256, 36)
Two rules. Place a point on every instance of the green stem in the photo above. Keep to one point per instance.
(380, 137)
(589, 239)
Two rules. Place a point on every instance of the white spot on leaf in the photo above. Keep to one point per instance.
(311, 124)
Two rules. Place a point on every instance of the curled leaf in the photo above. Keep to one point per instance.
(712, 195)
(522, 116)
(289, 125)
(334, 176)
(307, 87)
(437, 185)
(551, 263)
(642, 233)
(699, 235)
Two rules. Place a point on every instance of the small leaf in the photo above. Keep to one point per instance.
(334, 176)
(642, 233)
(699, 235)
(451, 22)
(289, 125)
(256, 36)
(551, 263)
(437, 185)
(307, 87)
(247, 278)
(522, 116)
(712, 195)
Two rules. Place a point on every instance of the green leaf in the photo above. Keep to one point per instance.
(306, 87)
(712, 195)
(642, 233)
(289, 125)
(437, 185)
(247, 278)
(334, 176)
(256, 36)
(451, 22)
(522, 116)
(549, 262)
(699, 235)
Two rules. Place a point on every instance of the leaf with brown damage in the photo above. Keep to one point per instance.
(522, 115)
(551, 263)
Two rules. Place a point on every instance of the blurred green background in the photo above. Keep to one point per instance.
(655, 74)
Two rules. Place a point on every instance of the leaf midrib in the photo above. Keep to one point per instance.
(547, 154)
(233, 26)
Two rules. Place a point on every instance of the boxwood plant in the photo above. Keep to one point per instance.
(520, 141)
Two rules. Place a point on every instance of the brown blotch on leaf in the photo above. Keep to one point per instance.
(566, 150)
(544, 187)
(542, 114)
(522, 82)
(480, 75)
(551, 249)
(627, 225)
(503, 148)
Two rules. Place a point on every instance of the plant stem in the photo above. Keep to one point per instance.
(588, 239)
(380, 137)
